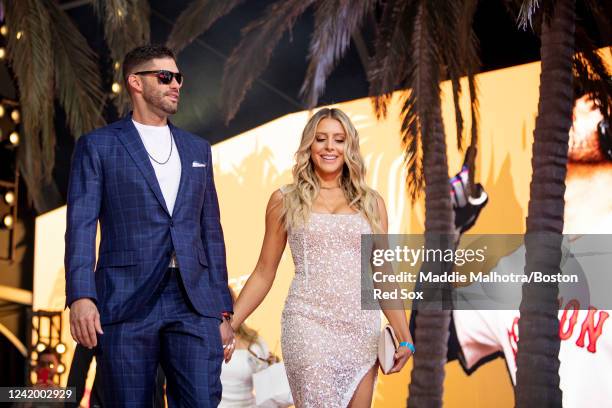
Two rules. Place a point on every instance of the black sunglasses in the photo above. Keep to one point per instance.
(164, 76)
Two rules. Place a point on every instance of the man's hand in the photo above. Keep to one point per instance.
(85, 322)
(227, 339)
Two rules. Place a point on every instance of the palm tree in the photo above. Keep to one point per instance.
(420, 39)
(198, 17)
(419, 42)
(126, 26)
(537, 377)
(50, 60)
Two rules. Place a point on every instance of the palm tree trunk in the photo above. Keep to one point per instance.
(537, 377)
(432, 323)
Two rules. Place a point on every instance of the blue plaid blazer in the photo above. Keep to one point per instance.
(112, 181)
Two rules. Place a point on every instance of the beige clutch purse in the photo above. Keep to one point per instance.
(387, 345)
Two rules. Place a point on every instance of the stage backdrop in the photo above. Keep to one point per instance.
(250, 166)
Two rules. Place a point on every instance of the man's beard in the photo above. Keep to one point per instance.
(157, 99)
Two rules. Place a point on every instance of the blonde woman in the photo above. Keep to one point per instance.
(329, 343)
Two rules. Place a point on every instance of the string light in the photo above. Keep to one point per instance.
(14, 138)
(1, 111)
(8, 221)
(4, 30)
(60, 348)
(117, 65)
(16, 116)
(61, 368)
(119, 13)
(2, 53)
(116, 88)
(33, 359)
(9, 197)
(40, 347)
(19, 35)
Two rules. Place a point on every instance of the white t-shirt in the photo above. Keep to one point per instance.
(237, 376)
(586, 335)
(156, 140)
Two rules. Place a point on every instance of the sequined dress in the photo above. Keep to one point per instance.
(328, 342)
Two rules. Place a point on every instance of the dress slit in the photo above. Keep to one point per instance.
(358, 379)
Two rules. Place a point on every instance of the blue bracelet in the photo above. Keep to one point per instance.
(409, 345)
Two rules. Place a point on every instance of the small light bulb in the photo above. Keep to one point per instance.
(16, 116)
(14, 138)
(8, 223)
(2, 53)
(60, 368)
(40, 347)
(2, 111)
(60, 348)
(116, 88)
(9, 197)
(4, 30)
(117, 66)
(19, 35)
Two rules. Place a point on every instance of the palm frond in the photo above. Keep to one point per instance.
(126, 26)
(389, 67)
(469, 50)
(253, 53)
(413, 149)
(77, 80)
(445, 29)
(30, 56)
(532, 11)
(526, 13)
(424, 87)
(453, 33)
(112, 11)
(335, 22)
(198, 17)
(456, 87)
(474, 137)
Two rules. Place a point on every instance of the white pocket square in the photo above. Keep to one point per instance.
(198, 164)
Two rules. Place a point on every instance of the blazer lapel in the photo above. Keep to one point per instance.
(131, 140)
(184, 150)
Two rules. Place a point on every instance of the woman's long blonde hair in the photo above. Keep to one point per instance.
(299, 196)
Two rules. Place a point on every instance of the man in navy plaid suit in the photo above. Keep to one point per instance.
(159, 294)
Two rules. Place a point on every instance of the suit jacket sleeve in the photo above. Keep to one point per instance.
(84, 201)
(212, 236)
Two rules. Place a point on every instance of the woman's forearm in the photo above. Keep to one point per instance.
(397, 320)
(255, 290)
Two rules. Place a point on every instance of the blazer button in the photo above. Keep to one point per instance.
(171, 224)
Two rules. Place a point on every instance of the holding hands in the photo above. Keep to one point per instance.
(227, 339)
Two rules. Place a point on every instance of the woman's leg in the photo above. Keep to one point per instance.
(365, 390)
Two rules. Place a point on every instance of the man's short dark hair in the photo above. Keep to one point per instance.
(143, 54)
